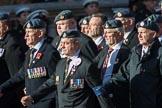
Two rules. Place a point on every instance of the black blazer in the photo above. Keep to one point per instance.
(121, 91)
(10, 62)
(76, 97)
(46, 60)
(132, 39)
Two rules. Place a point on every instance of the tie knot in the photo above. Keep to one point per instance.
(68, 60)
(33, 50)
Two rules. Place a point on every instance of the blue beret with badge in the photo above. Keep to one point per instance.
(85, 20)
(63, 15)
(34, 24)
(155, 17)
(42, 14)
(4, 16)
(21, 10)
(124, 14)
(87, 2)
(110, 24)
(148, 25)
(72, 33)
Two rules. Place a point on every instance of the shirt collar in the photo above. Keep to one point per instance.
(127, 34)
(99, 40)
(117, 46)
(38, 45)
(75, 55)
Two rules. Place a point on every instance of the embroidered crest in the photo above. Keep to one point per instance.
(62, 17)
(106, 26)
(64, 35)
(28, 25)
(119, 14)
(85, 21)
(142, 23)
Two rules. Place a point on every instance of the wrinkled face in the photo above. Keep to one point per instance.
(3, 28)
(64, 25)
(22, 17)
(95, 27)
(146, 36)
(92, 9)
(85, 29)
(112, 37)
(69, 46)
(33, 36)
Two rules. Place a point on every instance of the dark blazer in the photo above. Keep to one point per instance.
(101, 45)
(10, 62)
(76, 97)
(88, 47)
(44, 63)
(132, 39)
(121, 91)
(144, 76)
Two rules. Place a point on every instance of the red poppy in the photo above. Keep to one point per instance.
(39, 55)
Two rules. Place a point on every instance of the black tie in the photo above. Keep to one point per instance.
(66, 68)
(32, 51)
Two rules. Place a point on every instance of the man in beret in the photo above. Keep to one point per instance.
(91, 6)
(39, 65)
(21, 15)
(111, 58)
(143, 68)
(76, 78)
(84, 25)
(44, 15)
(64, 21)
(130, 32)
(145, 8)
(12, 57)
(158, 19)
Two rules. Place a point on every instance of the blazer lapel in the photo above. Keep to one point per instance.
(66, 84)
(39, 55)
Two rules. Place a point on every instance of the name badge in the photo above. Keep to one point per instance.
(36, 72)
(1, 52)
(77, 83)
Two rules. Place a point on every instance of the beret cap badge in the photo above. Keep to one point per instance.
(119, 14)
(85, 21)
(28, 25)
(62, 17)
(142, 23)
(64, 35)
(106, 26)
(149, 19)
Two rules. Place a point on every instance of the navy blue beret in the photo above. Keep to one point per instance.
(34, 24)
(21, 10)
(87, 2)
(38, 14)
(72, 33)
(63, 15)
(125, 14)
(85, 20)
(109, 24)
(155, 17)
(148, 25)
(4, 16)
